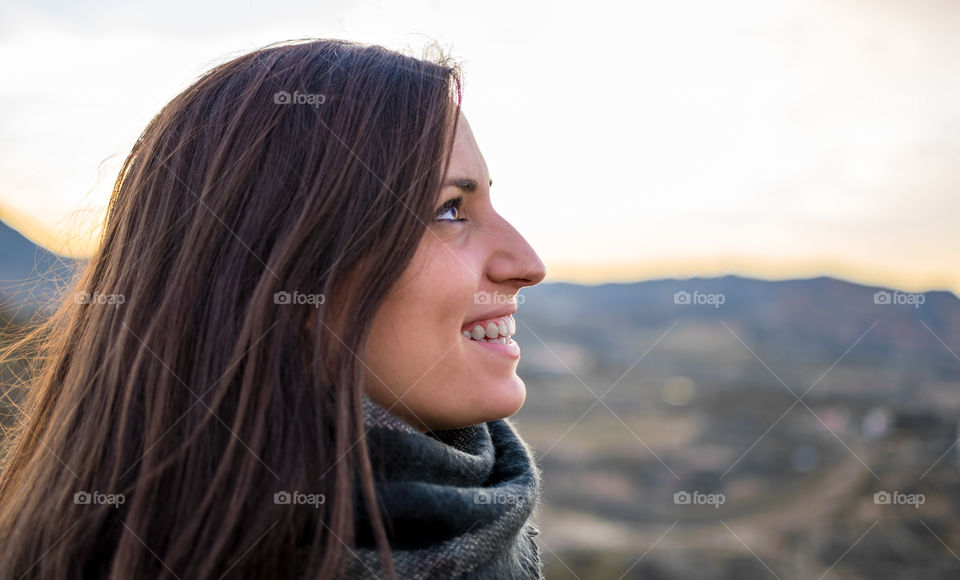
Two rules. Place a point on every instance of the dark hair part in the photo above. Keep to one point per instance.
(310, 166)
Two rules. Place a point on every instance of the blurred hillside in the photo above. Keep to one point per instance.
(30, 275)
(796, 400)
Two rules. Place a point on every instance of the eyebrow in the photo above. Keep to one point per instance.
(466, 184)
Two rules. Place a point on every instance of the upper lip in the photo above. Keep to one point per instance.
(488, 315)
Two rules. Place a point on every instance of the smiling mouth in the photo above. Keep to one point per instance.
(499, 330)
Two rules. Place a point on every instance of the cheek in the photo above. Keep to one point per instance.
(442, 289)
(418, 326)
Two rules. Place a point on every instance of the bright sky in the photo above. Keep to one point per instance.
(626, 140)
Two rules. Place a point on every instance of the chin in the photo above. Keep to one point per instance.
(501, 399)
(504, 400)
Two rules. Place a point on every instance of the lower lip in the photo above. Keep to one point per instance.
(511, 349)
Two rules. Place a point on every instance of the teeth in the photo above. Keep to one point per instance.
(494, 331)
(500, 339)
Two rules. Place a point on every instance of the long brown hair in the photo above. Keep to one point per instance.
(208, 355)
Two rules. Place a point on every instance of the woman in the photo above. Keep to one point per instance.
(277, 362)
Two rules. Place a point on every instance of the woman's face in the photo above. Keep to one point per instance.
(464, 277)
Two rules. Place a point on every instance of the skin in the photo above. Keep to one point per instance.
(418, 364)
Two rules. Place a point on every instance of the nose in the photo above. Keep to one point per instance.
(513, 261)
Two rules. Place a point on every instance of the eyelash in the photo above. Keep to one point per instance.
(456, 203)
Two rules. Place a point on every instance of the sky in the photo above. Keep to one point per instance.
(626, 141)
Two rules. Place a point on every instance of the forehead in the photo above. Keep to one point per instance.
(466, 159)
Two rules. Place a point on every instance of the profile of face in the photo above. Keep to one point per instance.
(440, 354)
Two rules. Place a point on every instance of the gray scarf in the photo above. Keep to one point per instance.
(457, 503)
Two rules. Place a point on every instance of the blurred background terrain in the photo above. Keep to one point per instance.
(797, 400)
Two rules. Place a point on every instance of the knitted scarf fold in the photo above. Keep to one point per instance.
(457, 503)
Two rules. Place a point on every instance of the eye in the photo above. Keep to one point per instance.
(452, 207)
